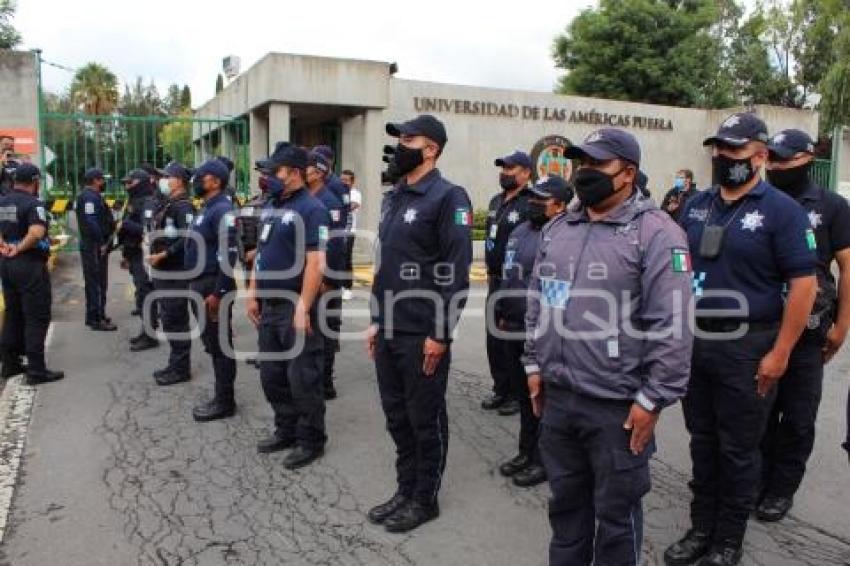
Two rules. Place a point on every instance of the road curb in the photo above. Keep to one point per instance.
(16, 401)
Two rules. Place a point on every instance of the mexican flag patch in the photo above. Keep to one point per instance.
(811, 240)
(681, 261)
(463, 217)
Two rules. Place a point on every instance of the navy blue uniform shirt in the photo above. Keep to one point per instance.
(342, 192)
(283, 245)
(19, 211)
(502, 218)
(829, 217)
(216, 225)
(94, 219)
(336, 244)
(132, 230)
(767, 242)
(173, 219)
(520, 253)
(425, 252)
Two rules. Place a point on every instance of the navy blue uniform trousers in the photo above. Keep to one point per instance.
(224, 366)
(174, 312)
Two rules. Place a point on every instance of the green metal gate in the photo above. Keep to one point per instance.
(71, 143)
(821, 173)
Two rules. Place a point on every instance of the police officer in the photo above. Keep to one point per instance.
(214, 225)
(747, 241)
(131, 233)
(790, 433)
(608, 348)
(549, 198)
(287, 280)
(677, 197)
(330, 310)
(230, 190)
(95, 225)
(24, 249)
(171, 223)
(418, 293)
(507, 210)
(334, 183)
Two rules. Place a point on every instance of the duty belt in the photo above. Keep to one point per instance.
(732, 324)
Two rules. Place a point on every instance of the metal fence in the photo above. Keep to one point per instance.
(821, 173)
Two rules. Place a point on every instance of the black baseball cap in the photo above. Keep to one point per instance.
(516, 158)
(738, 130)
(424, 125)
(27, 173)
(284, 154)
(93, 173)
(178, 170)
(215, 168)
(606, 144)
(319, 161)
(136, 174)
(788, 143)
(553, 187)
(151, 170)
(325, 151)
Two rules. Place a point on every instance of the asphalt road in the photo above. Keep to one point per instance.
(115, 472)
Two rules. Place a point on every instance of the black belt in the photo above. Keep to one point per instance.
(732, 324)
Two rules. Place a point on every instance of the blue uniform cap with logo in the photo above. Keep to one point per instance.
(325, 151)
(553, 187)
(93, 173)
(607, 144)
(738, 130)
(175, 169)
(284, 154)
(424, 125)
(788, 143)
(27, 173)
(319, 161)
(215, 168)
(516, 158)
(136, 175)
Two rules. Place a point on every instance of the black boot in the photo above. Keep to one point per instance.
(508, 408)
(379, 513)
(213, 410)
(773, 509)
(727, 553)
(693, 545)
(44, 376)
(330, 392)
(515, 465)
(533, 475)
(103, 326)
(494, 402)
(274, 443)
(12, 366)
(172, 377)
(302, 456)
(410, 516)
(144, 343)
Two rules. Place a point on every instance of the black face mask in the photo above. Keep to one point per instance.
(729, 172)
(792, 181)
(594, 186)
(508, 182)
(537, 214)
(198, 187)
(407, 159)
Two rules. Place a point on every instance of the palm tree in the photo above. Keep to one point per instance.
(95, 89)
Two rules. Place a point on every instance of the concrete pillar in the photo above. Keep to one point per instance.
(258, 142)
(369, 178)
(228, 149)
(279, 118)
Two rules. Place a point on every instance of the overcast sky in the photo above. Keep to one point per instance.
(499, 44)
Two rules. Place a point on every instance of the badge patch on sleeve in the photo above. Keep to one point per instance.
(681, 261)
(230, 220)
(42, 214)
(554, 292)
(463, 217)
(335, 215)
(89, 208)
(323, 233)
(811, 241)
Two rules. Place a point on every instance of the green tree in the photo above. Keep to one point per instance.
(176, 140)
(94, 90)
(219, 83)
(835, 86)
(172, 102)
(9, 36)
(186, 98)
(141, 100)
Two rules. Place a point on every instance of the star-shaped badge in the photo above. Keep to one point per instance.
(739, 172)
(731, 121)
(593, 138)
(513, 217)
(410, 215)
(752, 220)
(815, 219)
(287, 217)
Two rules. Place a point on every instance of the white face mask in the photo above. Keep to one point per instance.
(163, 187)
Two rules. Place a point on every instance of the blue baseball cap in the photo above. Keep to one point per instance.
(319, 161)
(284, 154)
(136, 174)
(175, 169)
(215, 168)
(516, 158)
(93, 173)
(738, 130)
(788, 143)
(27, 173)
(606, 144)
(424, 125)
(325, 151)
(553, 187)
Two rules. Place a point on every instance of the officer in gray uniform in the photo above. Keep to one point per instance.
(608, 347)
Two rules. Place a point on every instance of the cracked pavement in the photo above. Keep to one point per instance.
(116, 472)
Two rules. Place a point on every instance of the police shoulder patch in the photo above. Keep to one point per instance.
(189, 217)
(89, 208)
(463, 217)
(811, 241)
(323, 233)
(42, 214)
(681, 260)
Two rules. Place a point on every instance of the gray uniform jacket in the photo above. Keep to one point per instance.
(608, 306)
